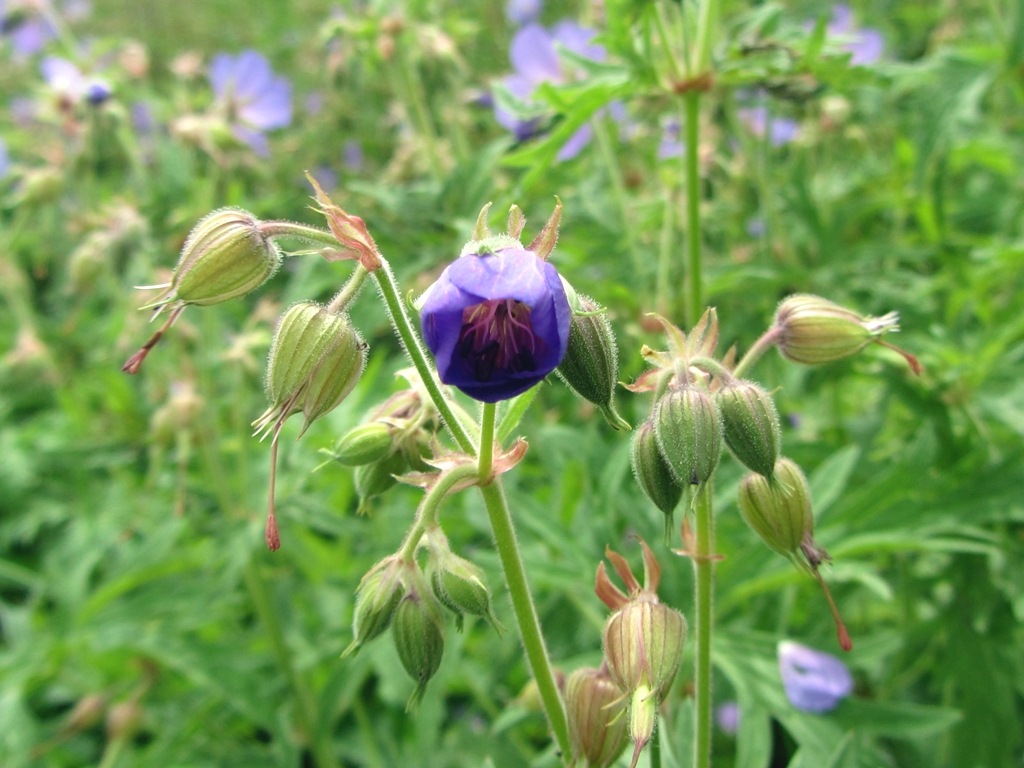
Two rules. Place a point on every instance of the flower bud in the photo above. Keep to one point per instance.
(376, 478)
(591, 364)
(334, 378)
(813, 330)
(653, 474)
(224, 256)
(460, 586)
(376, 601)
(595, 707)
(124, 720)
(779, 511)
(86, 713)
(643, 645)
(643, 716)
(689, 431)
(364, 444)
(418, 640)
(750, 425)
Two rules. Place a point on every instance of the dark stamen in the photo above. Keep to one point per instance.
(497, 337)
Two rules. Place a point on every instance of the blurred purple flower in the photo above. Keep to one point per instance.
(4, 159)
(313, 103)
(521, 12)
(142, 118)
(671, 145)
(866, 45)
(253, 97)
(352, 156)
(326, 177)
(814, 681)
(727, 715)
(23, 111)
(756, 227)
(497, 323)
(535, 61)
(66, 80)
(27, 26)
(783, 130)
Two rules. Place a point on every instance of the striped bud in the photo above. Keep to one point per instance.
(643, 645)
(591, 364)
(364, 444)
(779, 511)
(376, 601)
(377, 477)
(460, 586)
(418, 640)
(750, 425)
(595, 706)
(813, 330)
(689, 431)
(654, 475)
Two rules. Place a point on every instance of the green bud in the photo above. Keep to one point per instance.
(751, 425)
(689, 431)
(334, 378)
(124, 720)
(460, 586)
(224, 256)
(812, 330)
(376, 601)
(779, 511)
(418, 640)
(376, 478)
(594, 706)
(591, 364)
(364, 444)
(654, 475)
(643, 716)
(643, 645)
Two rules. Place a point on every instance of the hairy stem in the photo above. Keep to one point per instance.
(704, 573)
(348, 291)
(762, 345)
(487, 442)
(695, 304)
(426, 515)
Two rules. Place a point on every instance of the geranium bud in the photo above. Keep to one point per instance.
(643, 717)
(380, 591)
(364, 444)
(750, 425)
(812, 330)
(497, 320)
(689, 431)
(124, 720)
(377, 477)
(460, 586)
(86, 713)
(780, 511)
(643, 644)
(224, 256)
(591, 364)
(418, 640)
(654, 475)
(814, 681)
(595, 708)
(337, 374)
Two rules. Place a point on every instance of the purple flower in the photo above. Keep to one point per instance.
(142, 118)
(28, 28)
(670, 145)
(352, 156)
(67, 80)
(815, 681)
(756, 227)
(727, 715)
(521, 12)
(866, 44)
(497, 323)
(4, 159)
(254, 99)
(782, 129)
(535, 61)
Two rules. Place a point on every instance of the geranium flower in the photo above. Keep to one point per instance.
(497, 323)
(4, 159)
(521, 12)
(535, 61)
(67, 81)
(782, 130)
(866, 45)
(254, 99)
(814, 681)
(727, 715)
(671, 144)
(27, 26)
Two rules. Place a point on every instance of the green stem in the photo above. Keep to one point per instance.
(696, 298)
(526, 614)
(414, 94)
(712, 366)
(663, 288)
(306, 709)
(487, 442)
(349, 290)
(604, 144)
(298, 231)
(762, 345)
(111, 752)
(656, 748)
(426, 515)
(704, 572)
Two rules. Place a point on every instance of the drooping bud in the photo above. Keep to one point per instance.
(750, 424)
(418, 640)
(377, 477)
(224, 256)
(689, 431)
(364, 444)
(812, 330)
(380, 591)
(124, 720)
(779, 512)
(595, 708)
(458, 584)
(591, 364)
(654, 475)
(643, 644)
(334, 378)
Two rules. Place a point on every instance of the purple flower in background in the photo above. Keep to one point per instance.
(254, 99)
(782, 129)
(671, 145)
(23, 111)
(535, 61)
(814, 681)
(727, 715)
(313, 103)
(352, 156)
(866, 44)
(142, 118)
(521, 12)
(4, 159)
(497, 323)
(27, 27)
(67, 81)
(756, 227)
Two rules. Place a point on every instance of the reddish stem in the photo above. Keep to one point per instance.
(134, 363)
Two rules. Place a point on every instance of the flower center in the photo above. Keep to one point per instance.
(497, 335)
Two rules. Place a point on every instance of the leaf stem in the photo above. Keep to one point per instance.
(486, 453)
(604, 144)
(695, 304)
(704, 573)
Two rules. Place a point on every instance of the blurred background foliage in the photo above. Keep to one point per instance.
(143, 623)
